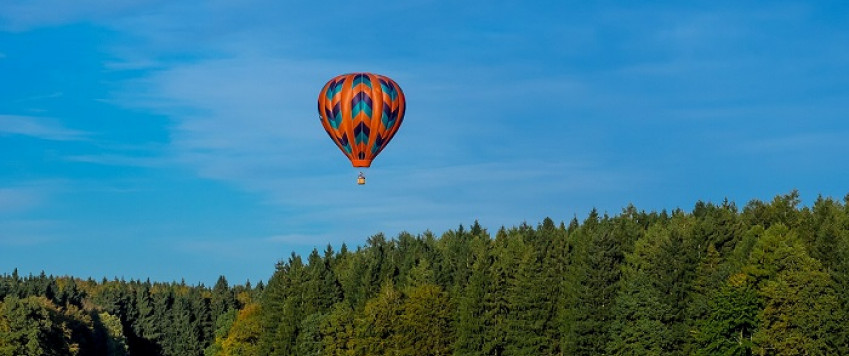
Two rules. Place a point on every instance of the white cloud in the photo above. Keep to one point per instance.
(235, 119)
(39, 127)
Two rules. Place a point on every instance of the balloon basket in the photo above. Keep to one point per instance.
(361, 180)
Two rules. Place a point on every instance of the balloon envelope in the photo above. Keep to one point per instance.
(361, 112)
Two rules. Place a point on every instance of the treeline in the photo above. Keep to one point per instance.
(770, 278)
(767, 279)
(47, 315)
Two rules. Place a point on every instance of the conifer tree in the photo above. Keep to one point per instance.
(798, 303)
(592, 289)
(731, 320)
(337, 330)
(531, 299)
(377, 326)
(426, 317)
(471, 309)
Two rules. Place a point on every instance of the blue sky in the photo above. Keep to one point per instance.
(179, 139)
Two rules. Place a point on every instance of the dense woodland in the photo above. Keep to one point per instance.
(767, 279)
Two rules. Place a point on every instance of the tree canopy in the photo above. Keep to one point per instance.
(770, 278)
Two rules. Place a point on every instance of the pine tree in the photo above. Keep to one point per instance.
(163, 302)
(31, 326)
(532, 301)
(184, 333)
(145, 331)
(337, 330)
(650, 310)
(223, 298)
(377, 326)
(495, 304)
(732, 319)
(798, 302)
(592, 289)
(309, 339)
(425, 326)
(707, 282)
(470, 313)
(280, 303)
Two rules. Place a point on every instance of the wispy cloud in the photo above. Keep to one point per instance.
(23, 196)
(795, 143)
(19, 198)
(27, 232)
(25, 15)
(121, 160)
(17, 202)
(39, 127)
(236, 118)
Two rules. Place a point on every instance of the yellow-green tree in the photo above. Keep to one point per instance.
(798, 302)
(377, 327)
(243, 336)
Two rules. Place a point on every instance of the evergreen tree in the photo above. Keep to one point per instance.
(708, 280)
(162, 308)
(470, 337)
(426, 316)
(116, 342)
(592, 289)
(377, 327)
(31, 326)
(309, 340)
(145, 330)
(495, 304)
(798, 303)
(655, 289)
(242, 337)
(532, 302)
(223, 298)
(337, 330)
(731, 320)
(425, 323)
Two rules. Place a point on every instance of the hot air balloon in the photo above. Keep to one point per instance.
(361, 112)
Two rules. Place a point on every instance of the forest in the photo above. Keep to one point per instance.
(769, 278)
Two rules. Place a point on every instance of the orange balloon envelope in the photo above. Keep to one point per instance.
(361, 112)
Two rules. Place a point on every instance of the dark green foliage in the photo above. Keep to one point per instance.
(47, 315)
(730, 321)
(470, 321)
(32, 326)
(650, 312)
(770, 279)
(591, 287)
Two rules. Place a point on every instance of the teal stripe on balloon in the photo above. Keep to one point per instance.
(356, 109)
(360, 107)
(389, 91)
(361, 78)
(361, 138)
(335, 121)
(332, 89)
